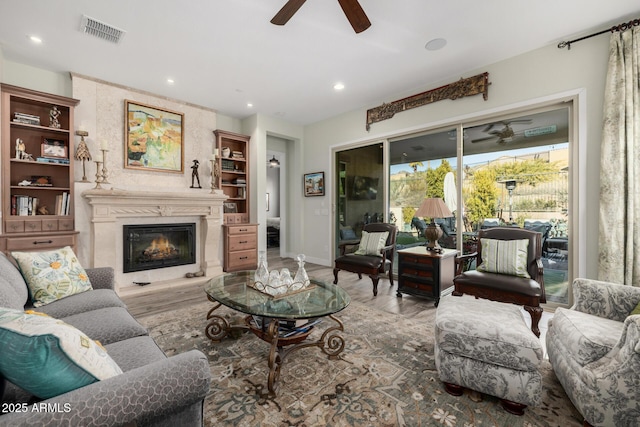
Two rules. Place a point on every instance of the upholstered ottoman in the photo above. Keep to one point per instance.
(486, 346)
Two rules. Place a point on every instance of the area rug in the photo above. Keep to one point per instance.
(386, 376)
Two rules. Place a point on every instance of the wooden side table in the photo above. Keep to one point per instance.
(425, 273)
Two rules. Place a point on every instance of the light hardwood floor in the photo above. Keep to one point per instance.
(359, 290)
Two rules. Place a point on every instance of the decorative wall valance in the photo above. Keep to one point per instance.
(464, 87)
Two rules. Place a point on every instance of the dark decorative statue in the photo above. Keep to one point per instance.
(194, 174)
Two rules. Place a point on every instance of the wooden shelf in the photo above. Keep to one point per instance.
(36, 232)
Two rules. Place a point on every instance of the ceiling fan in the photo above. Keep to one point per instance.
(352, 9)
(506, 134)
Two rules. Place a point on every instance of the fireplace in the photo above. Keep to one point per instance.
(151, 246)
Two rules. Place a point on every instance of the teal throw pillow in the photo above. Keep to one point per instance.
(372, 243)
(48, 357)
(51, 275)
(505, 257)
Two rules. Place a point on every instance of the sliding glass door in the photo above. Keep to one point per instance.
(359, 193)
(507, 171)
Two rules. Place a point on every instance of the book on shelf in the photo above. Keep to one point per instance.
(24, 205)
(62, 204)
(60, 161)
(29, 119)
(228, 165)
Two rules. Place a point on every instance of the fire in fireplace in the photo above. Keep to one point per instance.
(151, 246)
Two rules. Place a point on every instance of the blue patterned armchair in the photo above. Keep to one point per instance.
(594, 349)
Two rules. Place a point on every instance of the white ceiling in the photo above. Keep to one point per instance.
(224, 54)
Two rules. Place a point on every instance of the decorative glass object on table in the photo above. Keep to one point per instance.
(276, 283)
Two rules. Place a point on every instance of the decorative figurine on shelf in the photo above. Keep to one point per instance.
(215, 170)
(42, 210)
(53, 117)
(82, 153)
(20, 149)
(194, 174)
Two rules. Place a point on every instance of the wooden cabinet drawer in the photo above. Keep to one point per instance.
(34, 224)
(242, 229)
(240, 218)
(14, 226)
(40, 242)
(410, 283)
(413, 259)
(49, 225)
(65, 224)
(422, 274)
(242, 260)
(242, 242)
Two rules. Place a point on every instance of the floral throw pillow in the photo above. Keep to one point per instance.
(372, 243)
(48, 357)
(505, 257)
(51, 275)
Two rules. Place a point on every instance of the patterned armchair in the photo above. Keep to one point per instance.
(594, 349)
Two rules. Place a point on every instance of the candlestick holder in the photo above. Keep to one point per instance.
(104, 166)
(82, 153)
(99, 178)
(215, 173)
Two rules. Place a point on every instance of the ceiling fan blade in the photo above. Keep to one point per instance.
(355, 14)
(287, 11)
(483, 139)
(488, 127)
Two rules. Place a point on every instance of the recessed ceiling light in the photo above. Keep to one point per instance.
(170, 81)
(249, 105)
(338, 86)
(435, 44)
(35, 39)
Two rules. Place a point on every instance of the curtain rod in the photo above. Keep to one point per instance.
(621, 27)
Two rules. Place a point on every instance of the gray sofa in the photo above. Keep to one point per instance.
(153, 390)
(594, 349)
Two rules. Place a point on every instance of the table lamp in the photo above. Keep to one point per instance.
(433, 208)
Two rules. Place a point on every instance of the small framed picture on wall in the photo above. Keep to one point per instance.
(314, 184)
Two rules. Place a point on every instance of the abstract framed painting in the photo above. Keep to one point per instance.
(154, 138)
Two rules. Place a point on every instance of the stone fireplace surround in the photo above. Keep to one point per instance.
(109, 208)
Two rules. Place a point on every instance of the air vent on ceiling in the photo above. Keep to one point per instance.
(101, 30)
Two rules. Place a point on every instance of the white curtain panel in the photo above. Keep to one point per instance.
(619, 234)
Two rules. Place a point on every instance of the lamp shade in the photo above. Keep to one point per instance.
(433, 208)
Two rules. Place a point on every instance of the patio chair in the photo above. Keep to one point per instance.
(543, 227)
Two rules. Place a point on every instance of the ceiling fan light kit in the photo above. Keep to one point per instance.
(351, 8)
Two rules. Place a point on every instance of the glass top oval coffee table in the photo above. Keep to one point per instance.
(280, 321)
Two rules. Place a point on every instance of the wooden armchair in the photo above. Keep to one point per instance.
(373, 264)
(528, 292)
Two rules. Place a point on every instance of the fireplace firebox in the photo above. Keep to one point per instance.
(151, 246)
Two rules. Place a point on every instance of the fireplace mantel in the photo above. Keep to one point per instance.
(110, 207)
